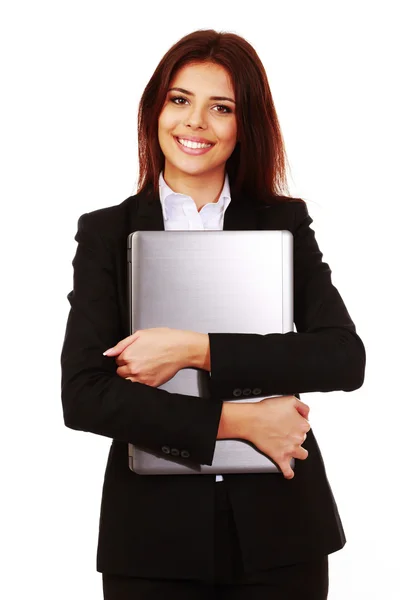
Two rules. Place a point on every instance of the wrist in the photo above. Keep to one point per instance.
(236, 419)
(198, 350)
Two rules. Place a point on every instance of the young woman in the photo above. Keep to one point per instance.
(211, 157)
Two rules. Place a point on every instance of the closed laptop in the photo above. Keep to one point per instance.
(209, 281)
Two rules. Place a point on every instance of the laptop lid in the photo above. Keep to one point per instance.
(209, 281)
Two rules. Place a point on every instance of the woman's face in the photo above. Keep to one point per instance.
(195, 113)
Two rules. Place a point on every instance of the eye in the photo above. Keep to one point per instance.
(228, 110)
(174, 100)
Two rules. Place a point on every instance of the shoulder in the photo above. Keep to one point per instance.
(285, 212)
(111, 221)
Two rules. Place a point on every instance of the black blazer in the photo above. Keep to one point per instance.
(162, 526)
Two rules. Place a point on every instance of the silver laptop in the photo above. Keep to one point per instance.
(209, 281)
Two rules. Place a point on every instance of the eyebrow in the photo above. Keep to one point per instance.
(177, 89)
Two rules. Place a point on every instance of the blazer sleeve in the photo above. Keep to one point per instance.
(324, 354)
(94, 397)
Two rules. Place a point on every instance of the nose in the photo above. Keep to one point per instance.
(196, 119)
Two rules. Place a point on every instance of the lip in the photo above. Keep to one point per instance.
(193, 151)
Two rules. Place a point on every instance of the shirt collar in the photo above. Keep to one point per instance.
(165, 191)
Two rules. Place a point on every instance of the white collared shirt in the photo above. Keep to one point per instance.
(180, 213)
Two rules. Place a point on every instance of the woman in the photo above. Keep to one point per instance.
(211, 157)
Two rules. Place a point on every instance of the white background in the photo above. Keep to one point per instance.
(72, 75)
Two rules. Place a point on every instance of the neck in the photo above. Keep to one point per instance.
(202, 188)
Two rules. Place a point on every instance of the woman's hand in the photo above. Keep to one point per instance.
(279, 427)
(151, 356)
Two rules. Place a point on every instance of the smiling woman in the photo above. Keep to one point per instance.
(211, 156)
(211, 88)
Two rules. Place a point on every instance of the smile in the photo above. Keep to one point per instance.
(192, 147)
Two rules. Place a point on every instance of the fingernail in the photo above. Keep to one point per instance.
(107, 351)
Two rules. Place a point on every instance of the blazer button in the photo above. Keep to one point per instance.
(256, 391)
(166, 449)
(247, 392)
(175, 452)
(185, 453)
(237, 392)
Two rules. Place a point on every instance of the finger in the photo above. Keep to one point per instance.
(301, 404)
(303, 409)
(288, 473)
(124, 372)
(121, 345)
(300, 453)
(121, 361)
(305, 426)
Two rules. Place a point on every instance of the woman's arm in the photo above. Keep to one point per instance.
(325, 354)
(94, 397)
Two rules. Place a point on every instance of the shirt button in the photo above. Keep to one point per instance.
(166, 449)
(175, 452)
(185, 453)
(237, 392)
(247, 392)
(256, 391)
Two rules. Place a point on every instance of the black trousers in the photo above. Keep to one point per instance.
(308, 580)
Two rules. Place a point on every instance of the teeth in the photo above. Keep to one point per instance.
(192, 144)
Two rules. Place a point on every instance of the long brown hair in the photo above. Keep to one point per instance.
(257, 166)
